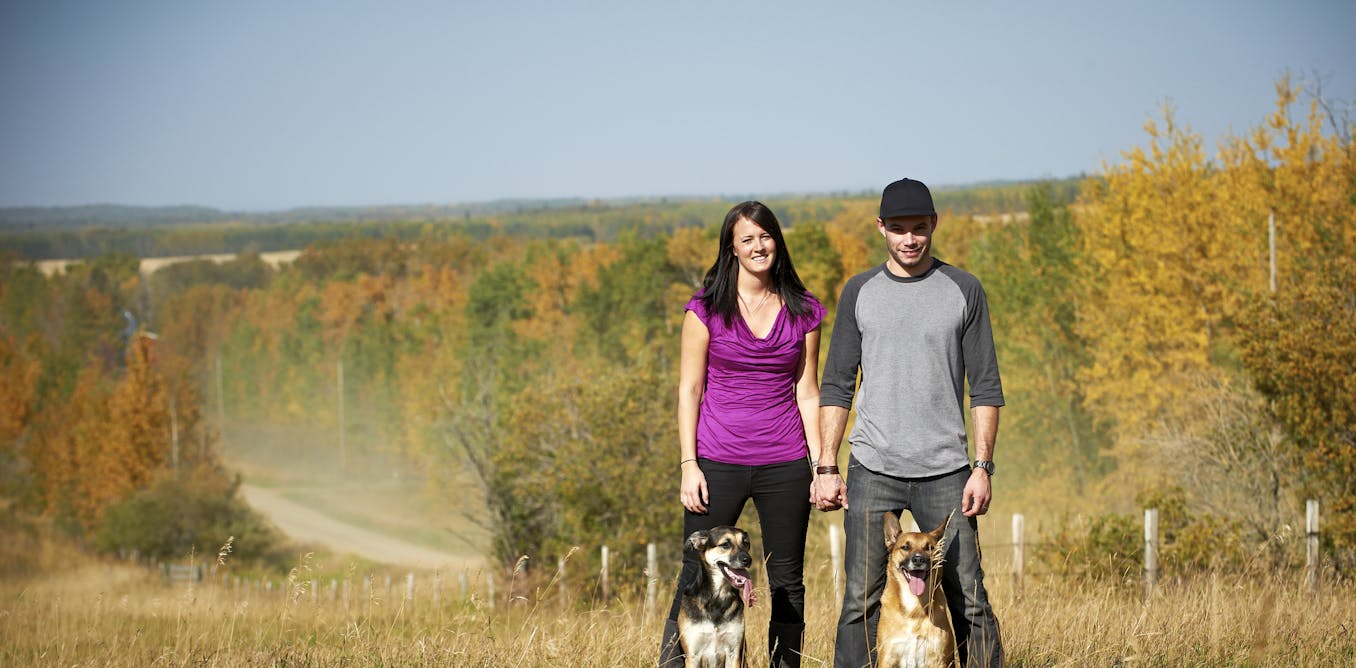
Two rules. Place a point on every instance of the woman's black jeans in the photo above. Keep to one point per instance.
(781, 493)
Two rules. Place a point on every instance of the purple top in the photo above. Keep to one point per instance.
(748, 413)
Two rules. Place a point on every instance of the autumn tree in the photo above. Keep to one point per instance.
(135, 441)
(19, 372)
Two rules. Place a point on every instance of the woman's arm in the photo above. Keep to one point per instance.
(807, 391)
(691, 383)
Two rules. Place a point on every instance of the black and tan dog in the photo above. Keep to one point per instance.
(711, 612)
(915, 627)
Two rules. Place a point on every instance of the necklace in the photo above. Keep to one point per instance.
(753, 309)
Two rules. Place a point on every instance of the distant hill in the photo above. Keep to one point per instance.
(117, 216)
(967, 198)
(38, 233)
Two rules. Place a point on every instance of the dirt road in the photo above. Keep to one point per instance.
(310, 526)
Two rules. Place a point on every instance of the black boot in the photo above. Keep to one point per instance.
(671, 651)
(784, 643)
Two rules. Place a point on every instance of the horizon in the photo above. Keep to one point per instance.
(550, 202)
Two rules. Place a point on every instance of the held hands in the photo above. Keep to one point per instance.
(978, 493)
(693, 492)
(828, 492)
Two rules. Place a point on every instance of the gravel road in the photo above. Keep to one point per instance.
(310, 526)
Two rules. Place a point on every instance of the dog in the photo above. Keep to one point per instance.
(915, 628)
(711, 612)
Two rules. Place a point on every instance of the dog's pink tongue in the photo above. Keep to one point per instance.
(916, 585)
(746, 589)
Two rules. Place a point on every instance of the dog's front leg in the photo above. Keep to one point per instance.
(732, 644)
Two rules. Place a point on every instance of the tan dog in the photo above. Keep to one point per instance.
(711, 612)
(915, 627)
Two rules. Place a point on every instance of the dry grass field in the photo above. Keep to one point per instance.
(111, 614)
(74, 610)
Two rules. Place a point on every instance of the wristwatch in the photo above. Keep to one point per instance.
(986, 465)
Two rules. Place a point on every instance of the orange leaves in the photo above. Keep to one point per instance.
(18, 386)
(135, 441)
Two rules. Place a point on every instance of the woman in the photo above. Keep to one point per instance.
(748, 409)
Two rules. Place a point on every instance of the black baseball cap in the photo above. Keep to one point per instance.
(906, 197)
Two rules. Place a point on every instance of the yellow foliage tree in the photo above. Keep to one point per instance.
(135, 441)
(18, 385)
(1164, 249)
(68, 436)
(1175, 248)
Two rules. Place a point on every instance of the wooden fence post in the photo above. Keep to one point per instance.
(560, 582)
(409, 589)
(1311, 542)
(1018, 551)
(1150, 551)
(607, 587)
(836, 561)
(489, 580)
(651, 578)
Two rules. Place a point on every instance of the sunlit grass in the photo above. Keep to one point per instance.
(119, 615)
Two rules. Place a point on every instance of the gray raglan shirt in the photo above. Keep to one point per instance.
(916, 340)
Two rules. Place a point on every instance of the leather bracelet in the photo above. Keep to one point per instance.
(821, 470)
(680, 464)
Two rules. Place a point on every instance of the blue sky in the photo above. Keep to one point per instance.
(266, 105)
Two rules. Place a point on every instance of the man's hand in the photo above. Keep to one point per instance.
(978, 494)
(828, 492)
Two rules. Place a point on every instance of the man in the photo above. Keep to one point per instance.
(917, 328)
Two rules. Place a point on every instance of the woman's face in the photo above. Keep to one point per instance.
(754, 247)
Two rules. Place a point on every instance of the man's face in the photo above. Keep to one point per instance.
(909, 242)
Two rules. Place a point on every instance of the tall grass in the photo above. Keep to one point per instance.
(118, 615)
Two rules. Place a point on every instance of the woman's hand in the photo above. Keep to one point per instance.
(694, 495)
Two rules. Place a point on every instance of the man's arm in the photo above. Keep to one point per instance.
(828, 491)
(978, 490)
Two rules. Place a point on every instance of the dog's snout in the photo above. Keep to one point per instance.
(918, 561)
(741, 559)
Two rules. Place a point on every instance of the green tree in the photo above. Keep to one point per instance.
(1301, 350)
(1029, 270)
(629, 312)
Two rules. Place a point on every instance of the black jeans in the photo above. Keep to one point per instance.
(781, 493)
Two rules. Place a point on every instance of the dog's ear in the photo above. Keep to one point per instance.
(699, 540)
(892, 529)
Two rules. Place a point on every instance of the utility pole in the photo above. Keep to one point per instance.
(174, 432)
(342, 453)
(1271, 239)
(221, 401)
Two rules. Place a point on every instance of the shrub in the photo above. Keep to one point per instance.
(1095, 548)
(189, 512)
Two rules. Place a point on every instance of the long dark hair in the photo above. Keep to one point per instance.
(719, 290)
